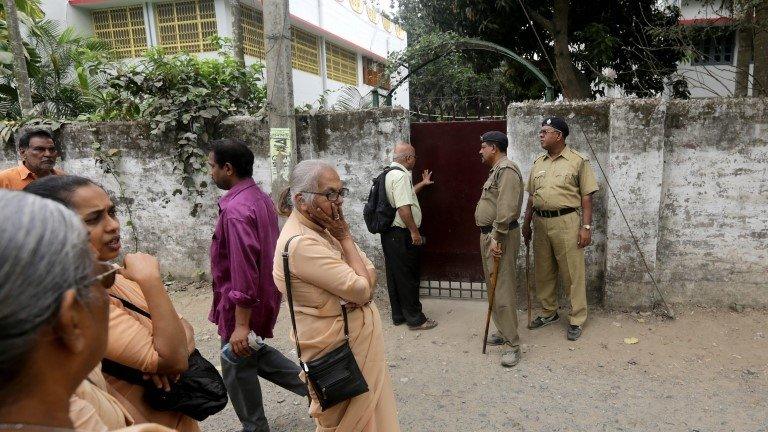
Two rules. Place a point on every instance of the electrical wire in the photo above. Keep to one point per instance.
(669, 311)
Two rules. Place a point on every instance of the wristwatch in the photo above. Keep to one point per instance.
(587, 227)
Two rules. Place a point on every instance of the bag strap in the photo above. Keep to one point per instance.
(391, 168)
(132, 306)
(287, 276)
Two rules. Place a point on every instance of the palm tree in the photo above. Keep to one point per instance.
(66, 71)
(18, 58)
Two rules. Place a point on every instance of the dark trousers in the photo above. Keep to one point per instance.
(403, 272)
(242, 381)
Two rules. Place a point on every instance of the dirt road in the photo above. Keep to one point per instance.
(705, 371)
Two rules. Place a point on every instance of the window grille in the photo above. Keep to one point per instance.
(305, 51)
(186, 25)
(123, 29)
(253, 32)
(373, 72)
(341, 64)
(713, 47)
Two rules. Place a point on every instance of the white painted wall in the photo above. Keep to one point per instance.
(708, 80)
(333, 20)
(66, 15)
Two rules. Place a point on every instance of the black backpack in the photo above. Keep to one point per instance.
(378, 213)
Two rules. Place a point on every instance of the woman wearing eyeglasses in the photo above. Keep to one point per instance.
(328, 268)
(54, 314)
(159, 346)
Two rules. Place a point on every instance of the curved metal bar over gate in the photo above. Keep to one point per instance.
(479, 45)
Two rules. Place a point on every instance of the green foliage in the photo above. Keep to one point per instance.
(186, 96)
(183, 96)
(629, 37)
(65, 69)
(474, 83)
(109, 161)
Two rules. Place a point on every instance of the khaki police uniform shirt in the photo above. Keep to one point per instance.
(561, 181)
(399, 186)
(501, 199)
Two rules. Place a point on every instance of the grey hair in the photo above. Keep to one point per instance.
(44, 252)
(305, 177)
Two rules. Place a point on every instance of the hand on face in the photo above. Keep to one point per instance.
(335, 223)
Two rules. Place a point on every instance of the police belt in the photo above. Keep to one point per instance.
(488, 228)
(554, 213)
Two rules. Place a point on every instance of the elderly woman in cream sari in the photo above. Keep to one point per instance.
(328, 268)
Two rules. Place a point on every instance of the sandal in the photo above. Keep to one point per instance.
(426, 325)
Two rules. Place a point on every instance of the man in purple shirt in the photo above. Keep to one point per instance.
(245, 298)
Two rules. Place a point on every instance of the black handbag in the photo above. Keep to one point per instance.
(198, 393)
(334, 377)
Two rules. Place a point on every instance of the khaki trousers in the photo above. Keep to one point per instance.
(555, 250)
(505, 298)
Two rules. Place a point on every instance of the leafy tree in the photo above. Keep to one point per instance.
(186, 96)
(65, 70)
(579, 41)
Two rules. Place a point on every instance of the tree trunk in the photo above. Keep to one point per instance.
(743, 59)
(237, 31)
(760, 82)
(575, 86)
(19, 58)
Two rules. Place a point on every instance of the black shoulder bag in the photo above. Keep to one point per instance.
(199, 392)
(335, 377)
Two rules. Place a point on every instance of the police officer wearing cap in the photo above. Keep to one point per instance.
(496, 215)
(560, 189)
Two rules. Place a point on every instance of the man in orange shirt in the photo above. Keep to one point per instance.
(38, 154)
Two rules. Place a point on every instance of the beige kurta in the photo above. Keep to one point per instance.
(92, 408)
(131, 343)
(320, 279)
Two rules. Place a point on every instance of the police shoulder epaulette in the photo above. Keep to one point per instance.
(579, 155)
(540, 157)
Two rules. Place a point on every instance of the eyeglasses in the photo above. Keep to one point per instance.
(332, 195)
(544, 131)
(107, 278)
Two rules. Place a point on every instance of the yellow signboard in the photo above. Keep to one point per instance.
(280, 152)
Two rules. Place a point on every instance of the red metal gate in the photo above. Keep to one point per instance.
(450, 265)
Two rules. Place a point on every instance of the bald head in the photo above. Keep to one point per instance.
(403, 149)
(404, 154)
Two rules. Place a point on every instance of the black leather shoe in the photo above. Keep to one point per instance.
(541, 321)
(574, 332)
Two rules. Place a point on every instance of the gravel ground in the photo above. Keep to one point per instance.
(705, 371)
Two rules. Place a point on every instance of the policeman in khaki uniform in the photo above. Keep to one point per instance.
(496, 215)
(560, 189)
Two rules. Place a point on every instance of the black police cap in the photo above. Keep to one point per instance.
(556, 123)
(495, 136)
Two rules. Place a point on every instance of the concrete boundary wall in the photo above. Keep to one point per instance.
(692, 180)
(358, 144)
(691, 177)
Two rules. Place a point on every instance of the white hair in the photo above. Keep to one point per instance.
(44, 252)
(304, 178)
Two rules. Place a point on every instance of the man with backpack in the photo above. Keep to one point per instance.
(393, 211)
